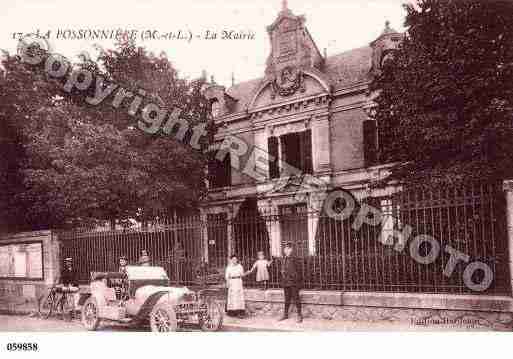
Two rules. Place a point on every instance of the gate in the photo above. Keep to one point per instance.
(469, 218)
(217, 237)
(174, 244)
(294, 227)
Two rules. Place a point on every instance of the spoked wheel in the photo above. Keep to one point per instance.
(46, 306)
(213, 318)
(90, 314)
(163, 318)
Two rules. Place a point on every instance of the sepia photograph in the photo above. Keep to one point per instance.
(341, 166)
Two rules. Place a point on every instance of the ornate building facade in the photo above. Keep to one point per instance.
(302, 128)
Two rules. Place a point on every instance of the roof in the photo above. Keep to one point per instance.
(349, 67)
(243, 92)
(343, 70)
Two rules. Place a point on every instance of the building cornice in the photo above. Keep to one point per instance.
(243, 115)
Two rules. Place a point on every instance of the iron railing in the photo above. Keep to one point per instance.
(334, 255)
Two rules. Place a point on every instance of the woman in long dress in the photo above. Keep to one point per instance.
(235, 305)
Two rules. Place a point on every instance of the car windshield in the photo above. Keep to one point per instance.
(141, 272)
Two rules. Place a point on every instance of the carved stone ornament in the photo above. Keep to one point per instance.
(287, 82)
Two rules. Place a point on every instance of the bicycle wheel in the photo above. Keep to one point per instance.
(66, 307)
(46, 306)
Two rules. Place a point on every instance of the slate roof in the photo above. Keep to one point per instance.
(243, 92)
(343, 70)
(349, 67)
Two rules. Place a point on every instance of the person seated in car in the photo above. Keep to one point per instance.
(144, 259)
(121, 287)
(123, 262)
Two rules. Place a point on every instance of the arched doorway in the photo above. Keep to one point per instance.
(250, 232)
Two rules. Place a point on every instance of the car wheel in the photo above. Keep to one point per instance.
(46, 306)
(213, 318)
(90, 314)
(163, 318)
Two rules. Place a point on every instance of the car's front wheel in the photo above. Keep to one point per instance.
(163, 318)
(90, 314)
(212, 320)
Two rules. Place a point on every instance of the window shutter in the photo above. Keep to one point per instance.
(212, 169)
(306, 151)
(272, 147)
(370, 142)
(227, 170)
(219, 173)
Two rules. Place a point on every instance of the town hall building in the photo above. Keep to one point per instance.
(307, 117)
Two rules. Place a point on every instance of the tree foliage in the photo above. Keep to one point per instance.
(444, 103)
(70, 163)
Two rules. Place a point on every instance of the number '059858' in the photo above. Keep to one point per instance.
(24, 347)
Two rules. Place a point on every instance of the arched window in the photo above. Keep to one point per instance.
(386, 56)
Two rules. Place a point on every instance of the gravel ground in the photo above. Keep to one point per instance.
(19, 323)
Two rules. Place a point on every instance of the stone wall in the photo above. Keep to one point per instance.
(347, 139)
(412, 310)
(22, 295)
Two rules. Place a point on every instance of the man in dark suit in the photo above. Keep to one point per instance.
(291, 282)
(121, 285)
(69, 283)
(69, 277)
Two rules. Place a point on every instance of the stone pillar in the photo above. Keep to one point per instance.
(52, 259)
(261, 136)
(313, 222)
(315, 202)
(280, 156)
(508, 189)
(321, 144)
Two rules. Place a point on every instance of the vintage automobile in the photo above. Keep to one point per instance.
(144, 295)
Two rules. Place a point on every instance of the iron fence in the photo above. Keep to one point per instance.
(334, 253)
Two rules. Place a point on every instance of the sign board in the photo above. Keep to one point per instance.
(21, 260)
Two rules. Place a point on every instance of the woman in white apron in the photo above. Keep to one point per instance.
(235, 304)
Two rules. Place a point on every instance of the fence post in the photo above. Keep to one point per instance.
(508, 189)
(204, 234)
(230, 216)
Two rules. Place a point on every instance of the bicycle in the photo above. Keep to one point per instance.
(59, 299)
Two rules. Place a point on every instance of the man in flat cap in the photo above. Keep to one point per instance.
(69, 276)
(69, 282)
(291, 282)
(121, 288)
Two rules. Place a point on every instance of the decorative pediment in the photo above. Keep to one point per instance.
(287, 82)
(290, 85)
(286, 19)
(292, 49)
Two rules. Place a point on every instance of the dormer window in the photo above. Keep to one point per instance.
(221, 103)
(384, 47)
(216, 108)
(387, 55)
